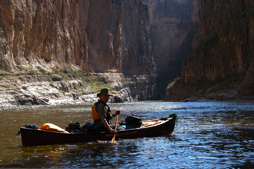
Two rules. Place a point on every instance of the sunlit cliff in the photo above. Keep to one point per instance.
(94, 36)
(109, 39)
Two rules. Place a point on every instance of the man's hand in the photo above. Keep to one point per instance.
(117, 112)
(112, 131)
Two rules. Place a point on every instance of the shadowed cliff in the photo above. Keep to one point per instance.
(221, 68)
(174, 35)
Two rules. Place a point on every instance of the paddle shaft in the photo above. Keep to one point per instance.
(113, 140)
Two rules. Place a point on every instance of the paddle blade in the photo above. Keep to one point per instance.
(113, 139)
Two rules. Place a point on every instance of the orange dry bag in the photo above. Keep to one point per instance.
(53, 128)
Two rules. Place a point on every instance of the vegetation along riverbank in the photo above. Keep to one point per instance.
(28, 87)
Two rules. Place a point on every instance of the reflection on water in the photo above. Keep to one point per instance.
(208, 135)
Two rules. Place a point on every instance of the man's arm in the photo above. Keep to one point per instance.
(105, 123)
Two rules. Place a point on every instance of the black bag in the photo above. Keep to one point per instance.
(74, 126)
(133, 121)
(33, 126)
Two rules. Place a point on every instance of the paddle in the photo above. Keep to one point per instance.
(113, 139)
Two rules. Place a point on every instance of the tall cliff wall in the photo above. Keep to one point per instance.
(225, 53)
(174, 34)
(226, 40)
(80, 33)
(102, 36)
(43, 34)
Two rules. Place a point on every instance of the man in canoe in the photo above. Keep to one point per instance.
(101, 113)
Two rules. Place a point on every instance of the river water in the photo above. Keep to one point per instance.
(207, 135)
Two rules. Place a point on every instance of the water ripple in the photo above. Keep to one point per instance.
(208, 135)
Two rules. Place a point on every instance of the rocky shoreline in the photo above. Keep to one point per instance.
(195, 93)
(30, 91)
(25, 91)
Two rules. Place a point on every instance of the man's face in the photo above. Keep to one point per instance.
(104, 98)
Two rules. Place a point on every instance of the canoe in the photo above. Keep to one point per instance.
(151, 128)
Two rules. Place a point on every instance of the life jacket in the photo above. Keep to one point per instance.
(95, 114)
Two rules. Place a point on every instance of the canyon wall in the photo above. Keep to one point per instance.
(174, 28)
(226, 41)
(102, 36)
(43, 34)
(95, 36)
(223, 62)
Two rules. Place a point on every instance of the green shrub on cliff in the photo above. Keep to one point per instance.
(63, 75)
(43, 72)
(94, 82)
(2, 39)
(32, 71)
(174, 82)
(7, 85)
(66, 69)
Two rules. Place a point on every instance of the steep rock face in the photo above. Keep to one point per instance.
(141, 86)
(44, 34)
(226, 41)
(226, 50)
(118, 37)
(174, 35)
(89, 35)
(95, 36)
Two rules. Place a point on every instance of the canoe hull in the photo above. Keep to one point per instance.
(41, 137)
